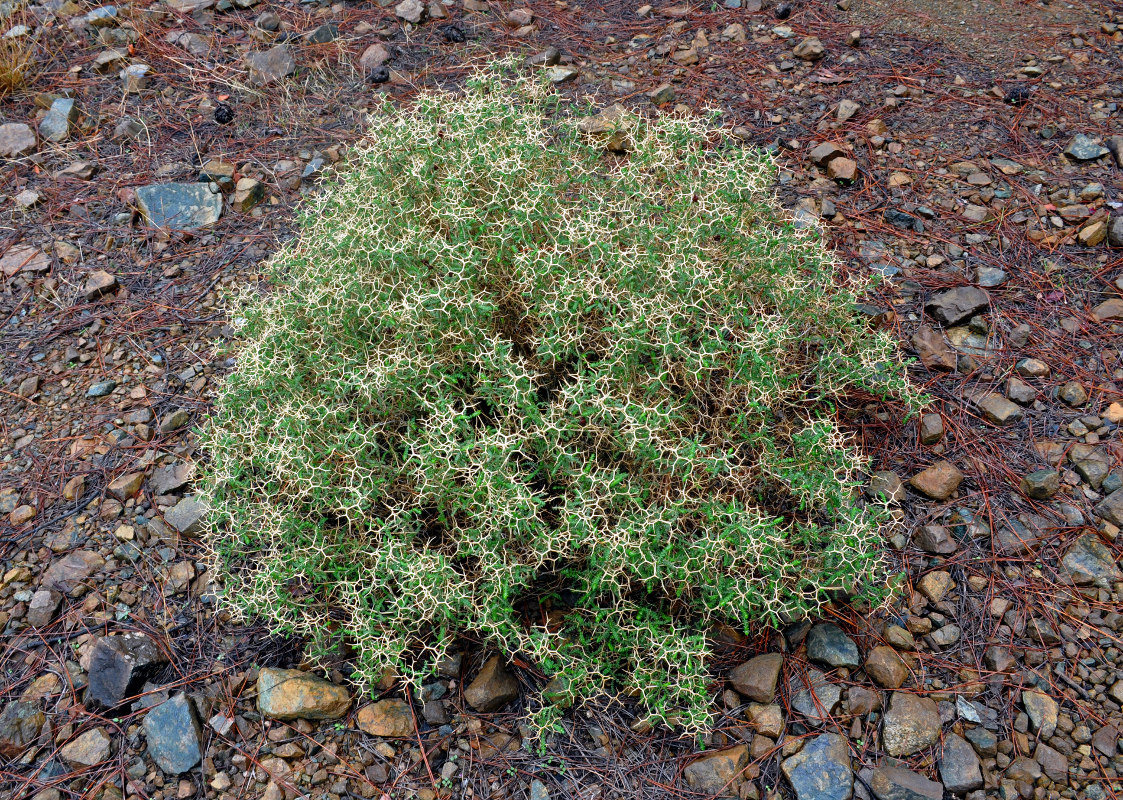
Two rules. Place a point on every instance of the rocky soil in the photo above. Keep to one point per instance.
(970, 154)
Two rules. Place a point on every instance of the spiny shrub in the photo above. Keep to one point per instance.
(575, 404)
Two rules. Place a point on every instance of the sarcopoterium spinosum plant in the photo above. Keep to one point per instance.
(579, 405)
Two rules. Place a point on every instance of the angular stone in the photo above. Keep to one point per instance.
(767, 720)
(886, 668)
(248, 193)
(20, 725)
(1115, 232)
(1111, 508)
(1024, 769)
(270, 66)
(98, 283)
(126, 486)
(1088, 561)
(810, 49)
(119, 668)
(411, 11)
(997, 410)
(88, 749)
(1053, 763)
(911, 724)
(181, 206)
(389, 718)
(1041, 484)
(1073, 393)
(1020, 392)
(21, 258)
(827, 644)
(821, 770)
(69, 572)
(815, 697)
(1084, 148)
(896, 783)
(933, 351)
(842, 170)
(884, 484)
(492, 689)
(328, 32)
(823, 153)
(934, 539)
(175, 420)
(959, 766)
(171, 478)
(60, 117)
(719, 772)
(374, 56)
(173, 735)
(1109, 310)
(41, 610)
(957, 305)
(187, 515)
(288, 694)
(931, 428)
(17, 140)
(938, 481)
(1042, 711)
(756, 679)
(935, 585)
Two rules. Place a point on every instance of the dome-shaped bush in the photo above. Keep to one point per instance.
(577, 404)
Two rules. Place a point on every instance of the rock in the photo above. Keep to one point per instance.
(187, 515)
(20, 725)
(88, 749)
(959, 766)
(186, 7)
(997, 410)
(1105, 740)
(389, 718)
(934, 539)
(911, 724)
(957, 305)
(60, 117)
(1088, 561)
(1041, 484)
(825, 152)
(827, 644)
(561, 74)
(767, 720)
(172, 477)
(270, 66)
(938, 481)
(815, 697)
(328, 32)
(756, 679)
(1109, 309)
(101, 389)
(718, 773)
(842, 170)
(810, 49)
(135, 77)
(1020, 392)
(181, 206)
(1111, 508)
(41, 610)
(932, 350)
(821, 770)
(69, 572)
(98, 283)
(1024, 769)
(1115, 232)
(935, 585)
(662, 95)
(173, 735)
(1083, 148)
(1042, 712)
(411, 11)
(492, 689)
(931, 428)
(885, 484)
(374, 56)
(126, 486)
(119, 668)
(846, 109)
(248, 193)
(1053, 763)
(886, 668)
(896, 783)
(175, 420)
(288, 694)
(1073, 394)
(24, 259)
(17, 140)
(1092, 234)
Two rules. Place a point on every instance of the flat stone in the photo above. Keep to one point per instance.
(21, 258)
(98, 283)
(411, 11)
(1109, 309)
(814, 697)
(886, 668)
(175, 420)
(119, 667)
(492, 689)
(896, 783)
(957, 305)
(172, 477)
(17, 140)
(756, 679)
(328, 32)
(126, 486)
(911, 724)
(997, 410)
(842, 170)
(827, 644)
(288, 694)
(187, 515)
(1053, 763)
(938, 481)
(821, 770)
(1084, 148)
(101, 389)
(389, 718)
(959, 766)
(88, 749)
(1042, 712)
(718, 773)
(67, 573)
(933, 350)
(173, 734)
(810, 49)
(181, 206)
(1089, 561)
(20, 725)
(931, 428)
(270, 66)
(824, 152)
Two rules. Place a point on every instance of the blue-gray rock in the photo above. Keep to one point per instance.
(173, 735)
(101, 389)
(119, 666)
(1089, 562)
(180, 205)
(56, 124)
(186, 516)
(956, 305)
(1111, 508)
(328, 32)
(821, 770)
(959, 766)
(1083, 148)
(827, 644)
(895, 783)
(815, 697)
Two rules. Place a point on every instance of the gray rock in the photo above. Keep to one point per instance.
(270, 66)
(756, 678)
(1111, 508)
(997, 410)
(493, 688)
(911, 724)
(328, 32)
(959, 766)
(827, 644)
(1115, 145)
(168, 479)
(70, 571)
(1088, 561)
(181, 206)
(173, 735)
(1053, 763)
(1115, 232)
(956, 305)
(1083, 148)
(60, 117)
(17, 140)
(41, 610)
(815, 697)
(1041, 484)
(101, 389)
(821, 770)
(895, 783)
(411, 11)
(934, 539)
(187, 515)
(175, 420)
(20, 724)
(1042, 711)
(119, 667)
